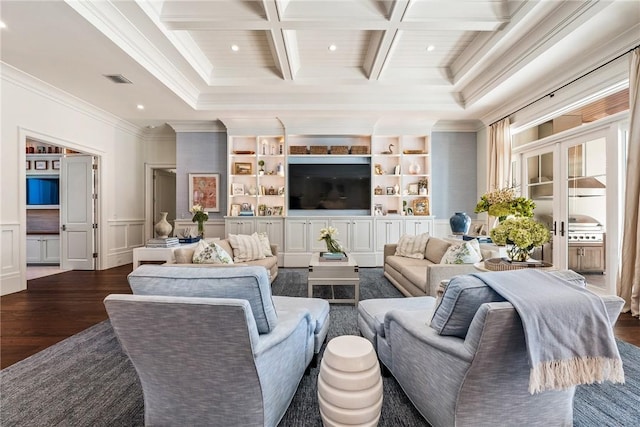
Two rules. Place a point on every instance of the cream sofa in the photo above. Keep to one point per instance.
(184, 257)
(421, 277)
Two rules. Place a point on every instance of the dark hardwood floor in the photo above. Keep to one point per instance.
(58, 306)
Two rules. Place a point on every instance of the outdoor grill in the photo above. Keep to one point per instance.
(583, 228)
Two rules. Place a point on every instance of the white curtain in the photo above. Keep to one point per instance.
(629, 278)
(499, 155)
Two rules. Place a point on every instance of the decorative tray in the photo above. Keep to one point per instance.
(413, 151)
(243, 152)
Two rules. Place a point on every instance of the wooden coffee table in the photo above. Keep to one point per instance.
(329, 273)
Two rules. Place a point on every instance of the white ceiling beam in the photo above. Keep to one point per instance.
(280, 50)
(383, 46)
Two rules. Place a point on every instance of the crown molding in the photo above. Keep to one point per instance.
(197, 126)
(28, 82)
(110, 21)
(563, 19)
(253, 126)
(458, 126)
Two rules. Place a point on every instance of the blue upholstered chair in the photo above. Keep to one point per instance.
(227, 359)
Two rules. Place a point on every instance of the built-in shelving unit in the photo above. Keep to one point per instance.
(401, 174)
(397, 165)
(257, 175)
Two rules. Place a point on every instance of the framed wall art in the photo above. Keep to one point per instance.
(55, 164)
(28, 164)
(41, 165)
(204, 190)
(243, 168)
(421, 207)
(237, 189)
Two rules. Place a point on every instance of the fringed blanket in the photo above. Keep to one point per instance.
(566, 327)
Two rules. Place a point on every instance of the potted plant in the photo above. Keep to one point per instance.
(261, 164)
(423, 183)
(521, 235)
(262, 209)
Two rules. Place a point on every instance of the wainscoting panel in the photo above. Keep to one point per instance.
(10, 276)
(123, 236)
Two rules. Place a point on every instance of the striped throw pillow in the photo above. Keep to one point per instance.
(412, 246)
(245, 247)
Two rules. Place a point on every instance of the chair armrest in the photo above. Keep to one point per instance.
(439, 272)
(287, 323)
(274, 249)
(389, 249)
(416, 323)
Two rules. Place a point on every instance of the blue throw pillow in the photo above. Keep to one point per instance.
(460, 302)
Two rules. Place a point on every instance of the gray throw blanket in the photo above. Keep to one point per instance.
(566, 327)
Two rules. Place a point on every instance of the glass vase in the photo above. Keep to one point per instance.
(201, 229)
(518, 254)
(333, 245)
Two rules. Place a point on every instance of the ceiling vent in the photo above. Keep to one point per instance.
(118, 78)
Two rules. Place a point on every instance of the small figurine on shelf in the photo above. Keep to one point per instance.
(264, 147)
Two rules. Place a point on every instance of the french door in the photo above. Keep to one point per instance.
(574, 182)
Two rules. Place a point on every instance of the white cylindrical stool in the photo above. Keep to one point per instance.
(349, 383)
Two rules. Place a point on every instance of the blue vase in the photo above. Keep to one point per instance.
(460, 223)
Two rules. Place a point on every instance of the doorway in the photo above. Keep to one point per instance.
(52, 195)
(160, 190)
(574, 182)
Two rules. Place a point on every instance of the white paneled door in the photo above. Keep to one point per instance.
(77, 220)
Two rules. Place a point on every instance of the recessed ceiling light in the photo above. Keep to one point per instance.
(140, 107)
(430, 48)
(3, 25)
(235, 47)
(332, 47)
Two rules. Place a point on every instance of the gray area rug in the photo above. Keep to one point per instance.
(86, 380)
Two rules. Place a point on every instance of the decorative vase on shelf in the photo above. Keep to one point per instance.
(414, 169)
(162, 227)
(460, 223)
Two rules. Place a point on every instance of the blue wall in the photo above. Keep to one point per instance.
(453, 163)
(200, 152)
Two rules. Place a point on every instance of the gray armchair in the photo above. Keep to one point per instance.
(202, 360)
(478, 380)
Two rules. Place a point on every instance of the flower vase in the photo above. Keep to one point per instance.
(518, 254)
(163, 227)
(201, 229)
(332, 245)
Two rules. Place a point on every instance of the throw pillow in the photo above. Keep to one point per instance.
(435, 249)
(463, 253)
(245, 247)
(460, 302)
(266, 245)
(412, 246)
(210, 253)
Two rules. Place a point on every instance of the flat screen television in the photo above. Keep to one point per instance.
(339, 188)
(43, 191)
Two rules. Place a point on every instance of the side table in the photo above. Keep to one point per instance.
(349, 383)
(156, 254)
(330, 273)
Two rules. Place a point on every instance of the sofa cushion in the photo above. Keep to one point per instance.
(249, 283)
(246, 247)
(435, 249)
(462, 253)
(462, 298)
(399, 263)
(184, 255)
(412, 246)
(373, 311)
(210, 253)
(266, 245)
(417, 276)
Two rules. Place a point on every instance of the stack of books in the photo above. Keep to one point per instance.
(246, 213)
(169, 242)
(333, 256)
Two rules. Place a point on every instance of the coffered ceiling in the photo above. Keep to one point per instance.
(391, 61)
